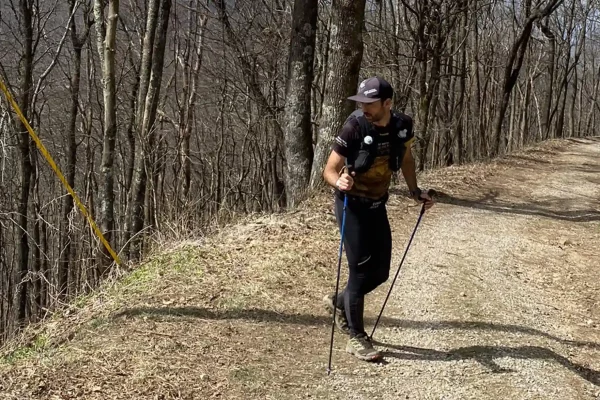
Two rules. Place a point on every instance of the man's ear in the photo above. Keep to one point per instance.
(388, 103)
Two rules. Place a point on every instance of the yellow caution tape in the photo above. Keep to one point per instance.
(48, 158)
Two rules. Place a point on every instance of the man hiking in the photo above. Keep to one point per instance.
(374, 142)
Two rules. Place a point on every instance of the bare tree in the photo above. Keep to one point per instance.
(78, 41)
(151, 72)
(344, 61)
(515, 62)
(106, 32)
(298, 123)
(191, 63)
(26, 169)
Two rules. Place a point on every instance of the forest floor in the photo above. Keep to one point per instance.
(498, 299)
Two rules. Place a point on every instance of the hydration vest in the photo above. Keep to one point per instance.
(361, 161)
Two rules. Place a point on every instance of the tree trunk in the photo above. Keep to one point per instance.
(106, 49)
(36, 282)
(45, 272)
(146, 120)
(249, 72)
(298, 124)
(322, 74)
(25, 170)
(569, 68)
(524, 127)
(511, 74)
(513, 67)
(462, 104)
(572, 107)
(564, 82)
(427, 107)
(67, 204)
(135, 206)
(550, 63)
(185, 126)
(343, 74)
(480, 145)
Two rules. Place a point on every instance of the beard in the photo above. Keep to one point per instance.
(375, 117)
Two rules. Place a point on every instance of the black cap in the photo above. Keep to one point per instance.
(372, 90)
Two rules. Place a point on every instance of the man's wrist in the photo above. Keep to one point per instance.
(337, 183)
(415, 193)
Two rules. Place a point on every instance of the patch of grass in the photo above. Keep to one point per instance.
(186, 260)
(19, 354)
(39, 344)
(235, 302)
(139, 276)
(98, 322)
(82, 301)
(140, 280)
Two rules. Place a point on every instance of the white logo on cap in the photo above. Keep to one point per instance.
(368, 92)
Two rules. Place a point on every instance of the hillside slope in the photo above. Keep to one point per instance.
(498, 298)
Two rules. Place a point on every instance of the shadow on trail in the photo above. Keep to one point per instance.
(485, 355)
(259, 315)
(542, 209)
(556, 208)
(585, 167)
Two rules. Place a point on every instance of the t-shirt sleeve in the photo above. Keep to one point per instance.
(410, 135)
(345, 142)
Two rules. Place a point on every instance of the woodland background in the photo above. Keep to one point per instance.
(168, 116)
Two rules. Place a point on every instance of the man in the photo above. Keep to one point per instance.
(374, 142)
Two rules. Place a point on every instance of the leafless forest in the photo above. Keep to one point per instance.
(166, 116)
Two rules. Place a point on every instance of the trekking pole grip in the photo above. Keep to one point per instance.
(431, 193)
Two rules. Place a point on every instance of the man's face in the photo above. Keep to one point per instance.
(376, 111)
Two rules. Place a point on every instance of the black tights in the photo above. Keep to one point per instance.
(368, 246)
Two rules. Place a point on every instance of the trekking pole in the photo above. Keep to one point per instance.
(337, 284)
(400, 266)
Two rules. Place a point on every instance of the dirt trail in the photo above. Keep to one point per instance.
(498, 299)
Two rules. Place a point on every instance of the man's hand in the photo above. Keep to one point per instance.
(335, 165)
(345, 182)
(425, 198)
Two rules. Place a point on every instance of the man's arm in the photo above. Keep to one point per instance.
(410, 175)
(331, 173)
(343, 145)
(335, 163)
(409, 170)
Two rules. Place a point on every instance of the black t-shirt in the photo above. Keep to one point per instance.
(375, 182)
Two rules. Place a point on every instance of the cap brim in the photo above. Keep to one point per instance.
(363, 99)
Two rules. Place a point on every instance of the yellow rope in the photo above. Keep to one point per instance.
(53, 165)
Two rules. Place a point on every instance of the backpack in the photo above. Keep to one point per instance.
(363, 159)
